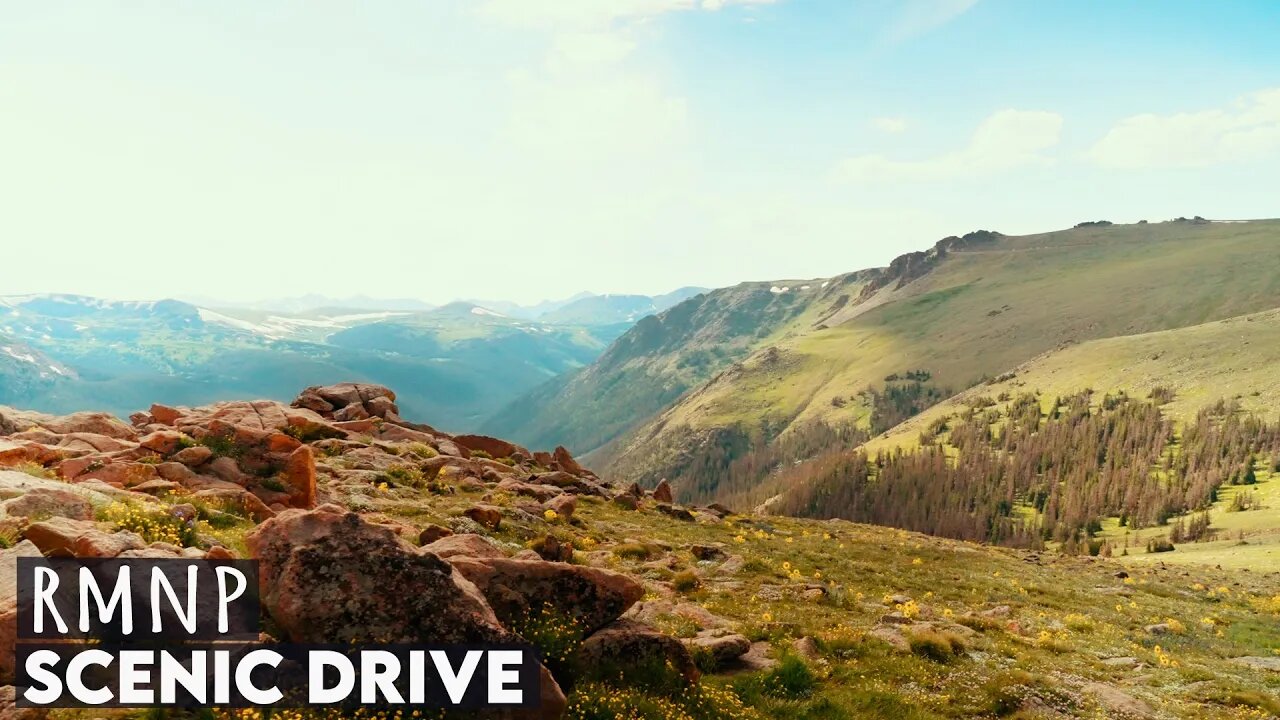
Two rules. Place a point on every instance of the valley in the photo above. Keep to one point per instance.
(461, 362)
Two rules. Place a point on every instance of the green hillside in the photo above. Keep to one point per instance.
(961, 313)
(1232, 359)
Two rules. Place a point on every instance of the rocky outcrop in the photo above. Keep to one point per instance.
(350, 401)
(329, 576)
(515, 588)
(627, 647)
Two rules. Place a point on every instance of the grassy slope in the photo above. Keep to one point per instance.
(981, 312)
(1066, 615)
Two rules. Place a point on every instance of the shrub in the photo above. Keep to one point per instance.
(152, 525)
(635, 551)
(403, 476)
(1159, 545)
(10, 535)
(34, 469)
(481, 454)
(222, 445)
(309, 432)
(686, 581)
(939, 646)
(422, 450)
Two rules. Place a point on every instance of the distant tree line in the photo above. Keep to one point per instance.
(1022, 476)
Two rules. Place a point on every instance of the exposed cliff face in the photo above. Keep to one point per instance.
(661, 358)
(913, 265)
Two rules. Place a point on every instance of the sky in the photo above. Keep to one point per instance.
(530, 149)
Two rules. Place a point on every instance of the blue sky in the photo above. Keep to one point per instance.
(525, 149)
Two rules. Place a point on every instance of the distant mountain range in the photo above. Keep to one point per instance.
(584, 307)
(458, 364)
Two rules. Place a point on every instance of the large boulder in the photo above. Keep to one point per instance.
(16, 453)
(491, 446)
(63, 537)
(329, 576)
(592, 596)
(350, 401)
(49, 502)
(300, 474)
(662, 493)
(464, 545)
(564, 461)
(627, 647)
(16, 421)
(9, 604)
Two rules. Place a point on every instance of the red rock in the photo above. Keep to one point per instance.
(193, 456)
(164, 414)
(592, 596)
(300, 474)
(326, 576)
(309, 400)
(14, 453)
(165, 442)
(9, 604)
(226, 468)
(566, 462)
(97, 544)
(352, 412)
(487, 515)
(364, 426)
(541, 493)
(558, 478)
(176, 472)
(281, 443)
(563, 505)
(72, 468)
(628, 644)
(465, 545)
(46, 502)
(120, 474)
(219, 552)
(399, 433)
(157, 487)
(662, 493)
(57, 536)
(432, 533)
(492, 446)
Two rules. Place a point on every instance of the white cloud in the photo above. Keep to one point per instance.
(922, 16)
(1006, 140)
(891, 125)
(1248, 130)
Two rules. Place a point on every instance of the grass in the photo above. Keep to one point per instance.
(1007, 629)
(1066, 615)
